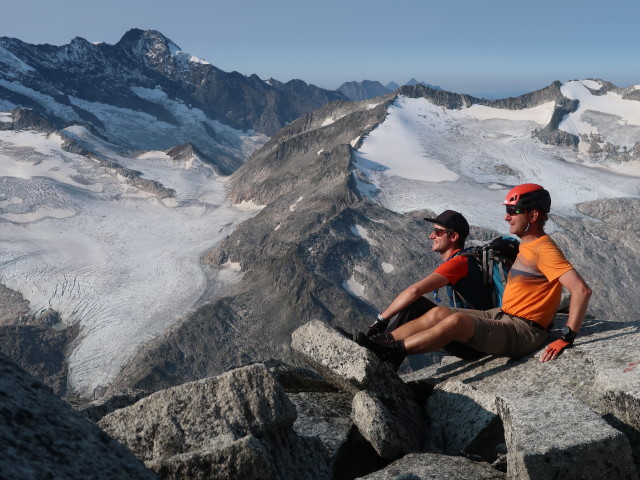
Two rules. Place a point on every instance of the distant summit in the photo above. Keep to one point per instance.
(367, 89)
(414, 82)
(363, 90)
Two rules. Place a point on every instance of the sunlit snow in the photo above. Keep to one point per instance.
(428, 157)
(293, 207)
(387, 267)
(617, 119)
(330, 120)
(355, 288)
(363, 233)
(111, 258)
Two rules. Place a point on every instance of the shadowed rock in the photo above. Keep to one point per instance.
(464, 420)
(97, 409)
(392, 433)
(43, 437)
(324, 415)
(383, 407)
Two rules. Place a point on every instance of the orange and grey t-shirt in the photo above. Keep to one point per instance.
(533, 290)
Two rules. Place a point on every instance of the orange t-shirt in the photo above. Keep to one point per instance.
(533, 290)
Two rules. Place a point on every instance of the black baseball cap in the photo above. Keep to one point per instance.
(453, 220)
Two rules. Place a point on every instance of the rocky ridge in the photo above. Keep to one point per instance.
(364, 90)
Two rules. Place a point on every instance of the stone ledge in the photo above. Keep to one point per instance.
(549, 434)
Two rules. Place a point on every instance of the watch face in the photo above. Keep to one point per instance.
(566, 331)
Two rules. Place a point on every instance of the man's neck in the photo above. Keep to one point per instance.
(531, 235)
(446, 254)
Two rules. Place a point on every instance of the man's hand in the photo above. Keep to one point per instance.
(553, 350)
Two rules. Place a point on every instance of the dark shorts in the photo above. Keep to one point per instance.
(500, 334)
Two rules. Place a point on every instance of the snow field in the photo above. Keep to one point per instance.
(427, 157)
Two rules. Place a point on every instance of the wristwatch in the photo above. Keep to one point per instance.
(380, 322)
(568, 335)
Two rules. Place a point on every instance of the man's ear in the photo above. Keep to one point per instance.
(535, 215)
(455, 236)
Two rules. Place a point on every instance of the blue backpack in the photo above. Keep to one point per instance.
(495, 260)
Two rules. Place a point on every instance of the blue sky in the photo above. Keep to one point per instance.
(490, 47)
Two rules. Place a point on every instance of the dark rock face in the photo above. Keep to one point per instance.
(42, 437)
(37, 343)
(23, 119)
(363, 90)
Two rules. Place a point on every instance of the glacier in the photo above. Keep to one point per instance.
(115, 260)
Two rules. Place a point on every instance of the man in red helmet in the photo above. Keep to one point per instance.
(530, 301)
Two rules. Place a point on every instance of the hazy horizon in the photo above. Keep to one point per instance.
(495, 47)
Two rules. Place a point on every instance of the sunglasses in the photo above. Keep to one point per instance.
(439, 231)
(511, 210)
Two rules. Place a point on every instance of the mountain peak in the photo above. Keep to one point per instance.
(136, 35)
(157, 51)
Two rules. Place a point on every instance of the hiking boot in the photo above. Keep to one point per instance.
(384, 338)
(387, 339)
(385, 347)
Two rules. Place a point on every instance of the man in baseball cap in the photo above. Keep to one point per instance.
(454, 221)
(461, 275)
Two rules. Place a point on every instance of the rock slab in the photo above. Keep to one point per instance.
(541, 441)
(229, 426)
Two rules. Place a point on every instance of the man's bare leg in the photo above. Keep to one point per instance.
(455, 326)
(422, 323)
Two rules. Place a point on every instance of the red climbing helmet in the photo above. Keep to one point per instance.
(529, 196)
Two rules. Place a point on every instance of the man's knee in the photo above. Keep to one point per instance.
(433, 316)
(461, 325)
(438, 313)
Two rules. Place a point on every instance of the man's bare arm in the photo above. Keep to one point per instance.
(580, 294)
(412, 293)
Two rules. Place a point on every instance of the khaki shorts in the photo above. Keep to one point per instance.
(500, 334)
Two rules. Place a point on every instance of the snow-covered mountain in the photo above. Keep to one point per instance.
(427, 156)
(115, 188)
(146, 93)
